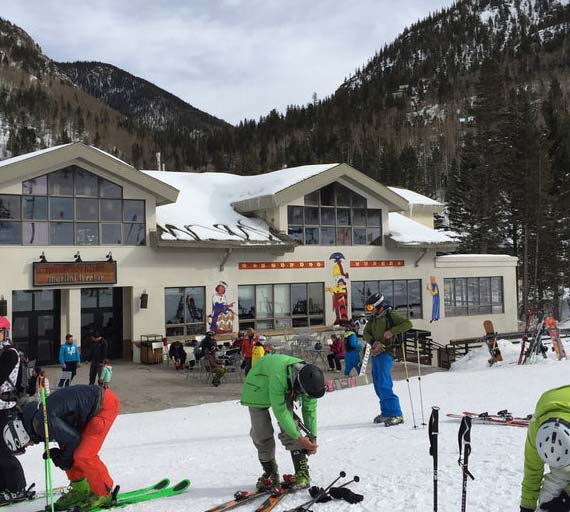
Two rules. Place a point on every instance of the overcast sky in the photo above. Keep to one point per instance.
(234, 59)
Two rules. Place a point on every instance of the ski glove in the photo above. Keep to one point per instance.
(56, 455)
(526, 510)
(560, 504)
(342, 493)
(319, 494)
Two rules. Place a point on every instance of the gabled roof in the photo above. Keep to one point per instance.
(418, 201)
(279, 188)
(32, 164)
(406, 232)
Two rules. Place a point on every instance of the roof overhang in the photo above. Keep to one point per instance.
(394, 201)
(436, 246)
(77, 153)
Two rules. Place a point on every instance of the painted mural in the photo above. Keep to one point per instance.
(433, 289)
(222, 317)
(339, 289)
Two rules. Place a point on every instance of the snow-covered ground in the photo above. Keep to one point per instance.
(210, 444)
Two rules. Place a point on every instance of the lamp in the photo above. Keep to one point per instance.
(3, 306)
(144, 300)
(43, 257)
(109, 256)
(77, 257)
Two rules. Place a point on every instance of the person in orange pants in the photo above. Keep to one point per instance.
(79, 419)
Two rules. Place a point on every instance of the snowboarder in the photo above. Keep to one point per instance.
(352, 348)
(548, 442)
(380, 332)
(12, 478)
(275, 383)
(79, 418)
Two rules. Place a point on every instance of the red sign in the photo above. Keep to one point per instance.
(377, 263)
(280, 265)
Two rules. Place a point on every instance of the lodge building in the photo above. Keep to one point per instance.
(89, 243)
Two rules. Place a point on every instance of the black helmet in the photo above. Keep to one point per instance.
(310, 381)
(375, 301)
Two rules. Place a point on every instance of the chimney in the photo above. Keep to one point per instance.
(159, 166)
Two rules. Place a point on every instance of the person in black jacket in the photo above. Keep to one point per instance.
(178, 353)
(12, 478)
(98, 355)
(79, 418)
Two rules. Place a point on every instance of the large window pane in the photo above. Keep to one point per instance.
(358, 297)
(134, 234)
(87, 233)
(108, 189)
(359, 217)
(60, 183)
(60, 208)
(10, 233)
(343, 236)
(111, 234)
(358, 201)
(35, 186)
(299, 299)
(295, 215)
(374, 218)
(36, 233)
(174, 305)
(133, 211)
(34, 208)
(343, 216)
(497, 294)
(328, 236)
(312, 216)
(359, 236)
(328, 195)
(195, 304)
(85, 183)
(373, 236)
(111, 209)
(343, 195)
(246, 302)
(415, 299)
(22, 300)
(264, 301)
(313, 198)
(61, 233)
(400, 297)
(10, 207)
(282, 300)
(328, 216)
(386, 288)
(449, 293)
(311, 236)
(87, 209)
(316, 299)
(296, 233)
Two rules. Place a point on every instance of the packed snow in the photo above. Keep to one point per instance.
(414, 198)
(210, 444)
(409, 232)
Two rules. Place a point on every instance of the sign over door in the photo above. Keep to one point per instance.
(72, 273)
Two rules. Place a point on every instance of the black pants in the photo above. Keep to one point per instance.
(94, 373)
(70, 366)
(12, 476)
(246, 365)
(334, 360)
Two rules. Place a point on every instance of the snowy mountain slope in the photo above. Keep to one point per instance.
(210, 445)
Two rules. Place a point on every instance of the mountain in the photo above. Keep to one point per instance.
(136, 98)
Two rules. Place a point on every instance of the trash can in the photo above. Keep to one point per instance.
(151, 348)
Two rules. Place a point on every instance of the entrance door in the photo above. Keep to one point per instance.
(35, 324)
(101, 311)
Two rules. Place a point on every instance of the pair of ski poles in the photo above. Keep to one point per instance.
(403, 346)
(464, 440)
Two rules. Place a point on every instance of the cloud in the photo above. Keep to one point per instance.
(234, 59)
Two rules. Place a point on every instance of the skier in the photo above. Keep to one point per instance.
(79, 419)
(352, 348)
(548, 442)
(12, 478)
(98, 355)
(380, 332)
(275, 383)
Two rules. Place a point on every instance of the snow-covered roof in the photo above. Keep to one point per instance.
(408, 232)
(203, 210)
(414, 198)
(25, 156)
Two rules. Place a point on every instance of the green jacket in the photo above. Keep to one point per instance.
(555, 403)
(269, 384)
(377, 326)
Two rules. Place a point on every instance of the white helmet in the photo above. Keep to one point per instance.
(15, 436)
(553, 442)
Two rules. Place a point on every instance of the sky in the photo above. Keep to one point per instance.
(234, 59)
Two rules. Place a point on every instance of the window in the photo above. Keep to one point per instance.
(71, 206)
(473, 296)
(404, 295)
(281, 306)
(335, 215)
(184, 311)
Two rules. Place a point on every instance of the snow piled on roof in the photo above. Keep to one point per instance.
(25, 156)
(409, 232)
(414, 198)
(203, 210)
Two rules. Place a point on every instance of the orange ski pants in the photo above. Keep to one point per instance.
(86, 461)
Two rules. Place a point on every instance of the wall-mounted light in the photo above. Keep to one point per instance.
(43, 257)
(3, 306)
(109, 256)
(144, 300)
(77, 257)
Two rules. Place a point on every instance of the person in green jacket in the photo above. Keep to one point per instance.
(276, 382)
(380, 332)
(548, 442)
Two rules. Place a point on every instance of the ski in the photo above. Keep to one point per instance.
(240, 498)
(493, 419)
(276, 494)
(365, 359)
(524, 340)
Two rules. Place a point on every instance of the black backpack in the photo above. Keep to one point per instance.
(22, 380)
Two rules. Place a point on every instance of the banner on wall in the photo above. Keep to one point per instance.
(280, 265)
(377, 263)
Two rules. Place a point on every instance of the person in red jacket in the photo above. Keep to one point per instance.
(249, 340)
(337, 353)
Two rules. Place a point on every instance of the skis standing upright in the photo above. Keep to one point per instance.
(524, 341)
(464, 439)
(433, 430)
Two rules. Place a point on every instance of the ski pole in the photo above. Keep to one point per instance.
(47, 463)
(355, 479)
(303, 506)
(403, 345)
(464, 439)
(420, 378)
(433, 431)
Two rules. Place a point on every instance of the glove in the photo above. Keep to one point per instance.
(319, 491)
(526, 510)
(343, 493)
(560, 504)
(377, 348)
(56, 455)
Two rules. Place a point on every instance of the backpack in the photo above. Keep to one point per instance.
(23, 378)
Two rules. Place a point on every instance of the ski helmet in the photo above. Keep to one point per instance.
(375, 301)
(553, 442)
(310, 381)
(15, 436)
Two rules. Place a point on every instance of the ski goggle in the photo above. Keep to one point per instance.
(369, 307)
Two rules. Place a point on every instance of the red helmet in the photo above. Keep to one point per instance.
(4, 323)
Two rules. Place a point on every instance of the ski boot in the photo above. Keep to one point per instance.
(10, 497)
(77, 492)
(393, 420)
(380, 419)
(96, 501)
(302, 477)
(270, 477)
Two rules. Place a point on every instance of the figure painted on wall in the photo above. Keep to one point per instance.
(339, 289)
(433, 289)
(222, 317)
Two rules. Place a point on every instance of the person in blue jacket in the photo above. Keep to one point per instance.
(352, 349)
(69, 357)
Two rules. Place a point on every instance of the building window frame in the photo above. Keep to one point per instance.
(404, 295)
(470, 296)
(194, 319)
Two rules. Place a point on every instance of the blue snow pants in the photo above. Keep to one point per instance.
(389, 401)
(351, 360)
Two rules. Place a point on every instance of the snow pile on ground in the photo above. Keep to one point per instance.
(210, 444)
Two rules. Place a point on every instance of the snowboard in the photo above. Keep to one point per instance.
(491, 338)
(554, 333)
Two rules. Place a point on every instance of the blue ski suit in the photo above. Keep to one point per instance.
(352, 349)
